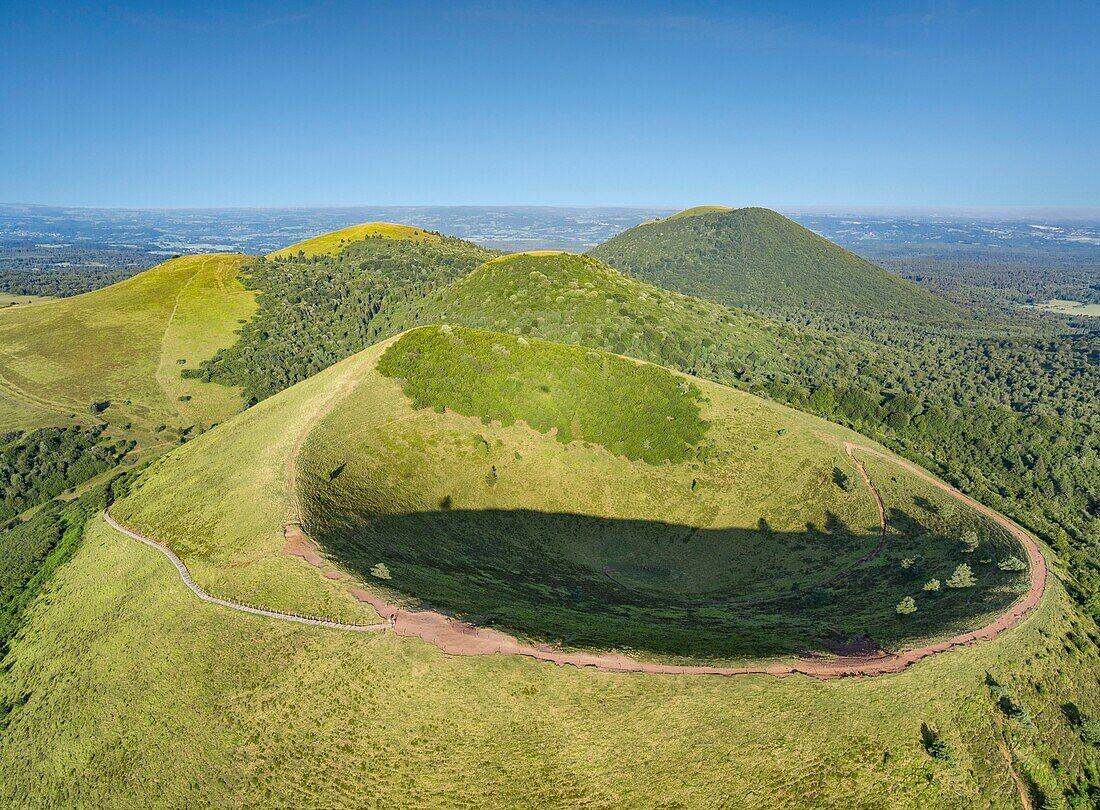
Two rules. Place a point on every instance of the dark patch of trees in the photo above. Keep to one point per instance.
(40, 465)
(315, 311)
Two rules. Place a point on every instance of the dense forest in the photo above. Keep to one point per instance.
(978, 277)
(316, 310)
(67, 270)
(758, 259)
(42, 464)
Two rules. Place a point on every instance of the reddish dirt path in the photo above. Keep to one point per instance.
(455, 637)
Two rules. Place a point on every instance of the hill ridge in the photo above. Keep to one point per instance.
(756, 257)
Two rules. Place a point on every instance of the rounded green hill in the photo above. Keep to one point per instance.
(334, 242)
(755, 257)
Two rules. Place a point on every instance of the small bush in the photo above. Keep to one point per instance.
(932, 586)
(1012, 564)
(906, 606)
(963, 577)
(969, 541)
(1014, 710)
(842, 480)
(381, 571)
(935, 745)
(1090, 731)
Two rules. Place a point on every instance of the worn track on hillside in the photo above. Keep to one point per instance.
(185, 575)
(460, 638)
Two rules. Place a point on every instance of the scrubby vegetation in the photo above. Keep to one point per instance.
(633, 409)
(42, 464)
(318, 308)
(32, 550)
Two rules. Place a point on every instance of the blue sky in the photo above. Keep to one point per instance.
(329, 103)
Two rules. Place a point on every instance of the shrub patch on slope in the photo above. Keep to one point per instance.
(634, 410)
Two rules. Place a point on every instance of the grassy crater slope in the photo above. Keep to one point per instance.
(124, 347)
(193, 705)
(756, 258)
(747, 547)
(740, 537)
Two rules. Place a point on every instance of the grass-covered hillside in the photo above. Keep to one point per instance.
(320, 305)
(117, 355)
(194, 704)
(568, 496)
(756, 258)
(334, 242)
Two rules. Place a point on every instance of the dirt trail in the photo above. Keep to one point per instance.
(455, 637)
(1002, 746)
(185, 575)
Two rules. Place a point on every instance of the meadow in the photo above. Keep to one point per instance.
(124, 689)
(116, 355)
(336, 241)
(1064, 307)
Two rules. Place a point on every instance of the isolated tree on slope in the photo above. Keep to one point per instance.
(962, 578)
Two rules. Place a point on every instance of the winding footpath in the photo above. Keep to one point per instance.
(185, 575)
(455, 637)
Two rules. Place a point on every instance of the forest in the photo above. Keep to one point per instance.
(42, 464)
(64, 270)
(315, 311)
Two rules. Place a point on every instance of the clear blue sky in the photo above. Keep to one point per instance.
(294, 103)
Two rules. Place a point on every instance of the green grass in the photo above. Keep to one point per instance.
(10, 299)
(700, 210)
(1063, 307)
(31, 551)
(756, 258)
(331, 243)
(731, 553)
(124, 690)
(123, 345)
(633, 409)
(235, 480)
